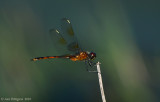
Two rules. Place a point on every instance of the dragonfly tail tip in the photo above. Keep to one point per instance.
(33, 59)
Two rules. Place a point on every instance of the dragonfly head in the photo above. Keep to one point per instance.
(92, 55)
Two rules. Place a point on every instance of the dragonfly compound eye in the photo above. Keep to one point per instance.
(92, 55)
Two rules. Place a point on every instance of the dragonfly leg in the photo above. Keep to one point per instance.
(91, 64)
(87, 62)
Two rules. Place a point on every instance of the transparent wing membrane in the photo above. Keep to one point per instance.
(57, 37)
(58, 41)
(67, 27)
(68, 33)
(65, 39)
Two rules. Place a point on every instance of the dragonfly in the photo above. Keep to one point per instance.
(67, 40)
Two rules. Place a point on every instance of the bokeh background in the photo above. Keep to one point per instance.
(125, 35)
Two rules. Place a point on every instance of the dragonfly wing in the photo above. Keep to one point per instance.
(68, 34)
(58, 40)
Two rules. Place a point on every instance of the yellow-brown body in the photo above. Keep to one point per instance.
(79, 57)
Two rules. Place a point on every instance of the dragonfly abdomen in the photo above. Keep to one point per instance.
(47, 57)
(79, 57)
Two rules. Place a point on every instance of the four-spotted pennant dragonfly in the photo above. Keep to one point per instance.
(68, 41)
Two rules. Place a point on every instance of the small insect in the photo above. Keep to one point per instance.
(68, 41)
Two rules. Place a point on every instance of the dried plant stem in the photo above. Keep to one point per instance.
(100, 82)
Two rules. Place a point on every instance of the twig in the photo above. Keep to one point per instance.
(100, 82)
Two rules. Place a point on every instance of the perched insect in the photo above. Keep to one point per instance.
(67, 40)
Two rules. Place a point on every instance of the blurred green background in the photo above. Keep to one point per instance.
(124, 34)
